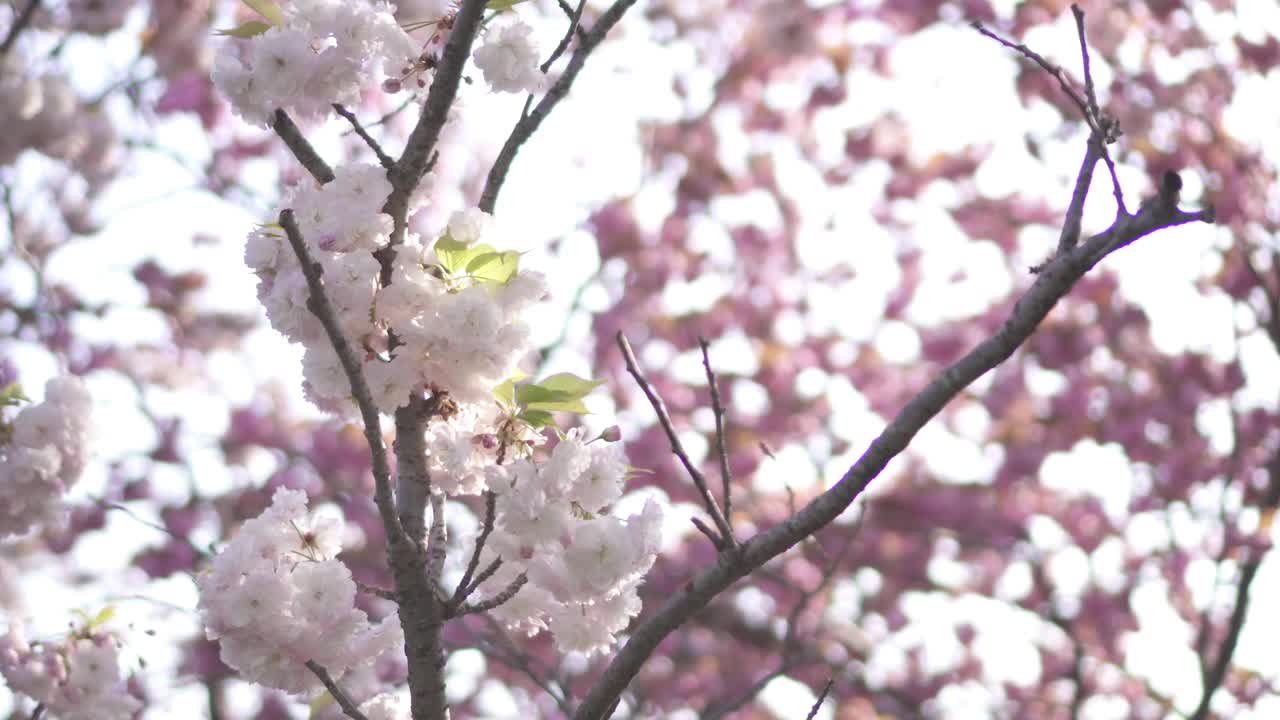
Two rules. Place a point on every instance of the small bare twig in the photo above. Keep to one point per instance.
(490, 511)
(376, 591)
(822, 696)
(568, 11)
(383, 158)
(530, 121)
(725, 539)
(486, 605)
(574, 18)
(1110, 129)
(726, 477)
(1049, 67)
(301, 147)
(344, 700)
(1216, 673)
(319, 305)
(19, 24)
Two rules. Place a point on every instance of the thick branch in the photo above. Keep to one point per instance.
(1056, 280)
(413, 481)
(529, 122)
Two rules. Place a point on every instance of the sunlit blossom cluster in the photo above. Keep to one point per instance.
(277, 597)
(316, 53)
(583, 565)
(42, 453)
(457, 331)
(508, 58)
(74, 678)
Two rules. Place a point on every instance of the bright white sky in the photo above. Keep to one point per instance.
(590, 151)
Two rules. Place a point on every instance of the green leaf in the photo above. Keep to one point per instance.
(536, 418)
(267, 9)
(503, 5)
(104, 616)
(245, 30)
(320, 704)
(562, 392)
(12, 395)
(455, 256)
(570, 383)
(536, 397)
(497, 267)
(506, 392)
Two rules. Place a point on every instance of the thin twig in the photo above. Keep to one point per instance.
(301, 148)
(1110, 129)
(822, 696)
(1049, 67)
(383, 158)
(1217, 672)
(568, 11)
(344, 700)
(725, 533)
(319, 305)
(530, 121)
(726, 477)
(19, 24)
(490, 512)
(376, 591)
(574, 19)
(486, 605)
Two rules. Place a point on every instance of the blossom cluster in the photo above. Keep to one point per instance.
(41, 111)
(313, 54)
(277, 597)
(77, 678)
(459, 327)
(42, 453)
(583, 566)
(508, 58)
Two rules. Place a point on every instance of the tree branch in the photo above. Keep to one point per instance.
(383, 158)
(301, 148)
(574, 19)
(344, 701)
(1216, 674)
(723, 538)
(19, 24)
(412, 164)
(529, 122)
(1056, 280)
(726, 477)
(490, 511)
(318, 304)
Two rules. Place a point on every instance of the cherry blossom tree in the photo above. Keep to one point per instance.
(890, 419)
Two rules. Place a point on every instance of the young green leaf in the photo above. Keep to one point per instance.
(245, 30)
(497, 267)
(536, 418)
(12, 395)
(570, 383)
(267, 9)
(503, 5)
